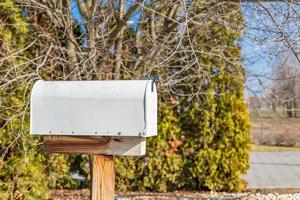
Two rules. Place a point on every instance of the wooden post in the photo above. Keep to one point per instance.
(103, 177)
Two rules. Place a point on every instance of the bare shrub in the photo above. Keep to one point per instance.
(289, 137)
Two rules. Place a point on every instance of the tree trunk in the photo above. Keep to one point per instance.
(289, 110)
(295, 107)
(119, 44)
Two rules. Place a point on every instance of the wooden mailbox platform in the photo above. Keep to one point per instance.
(122, 146)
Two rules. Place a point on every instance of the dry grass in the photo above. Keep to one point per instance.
(265, 148)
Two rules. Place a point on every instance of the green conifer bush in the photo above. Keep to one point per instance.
(203, 127)
(212, 128)
(160, 169)
(26, 170)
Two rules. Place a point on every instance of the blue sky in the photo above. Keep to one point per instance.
(259, 48)
(258, 62)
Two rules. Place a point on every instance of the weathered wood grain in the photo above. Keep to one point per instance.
(125, 146)
(103, 177)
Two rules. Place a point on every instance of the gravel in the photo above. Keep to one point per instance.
(84, 195)
(210, 196)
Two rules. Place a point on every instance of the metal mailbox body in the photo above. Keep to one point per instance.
(94, 108)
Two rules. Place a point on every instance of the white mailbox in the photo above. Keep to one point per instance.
(94, 108)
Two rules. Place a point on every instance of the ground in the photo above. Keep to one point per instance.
(250, 195)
